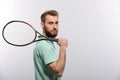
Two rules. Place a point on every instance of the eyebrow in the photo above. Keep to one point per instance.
(51, 22)
(57, 22)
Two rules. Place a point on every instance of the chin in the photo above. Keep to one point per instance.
(53, 36)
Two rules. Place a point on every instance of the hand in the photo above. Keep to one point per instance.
(63, 42)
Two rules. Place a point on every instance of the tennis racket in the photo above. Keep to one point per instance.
(16, 33)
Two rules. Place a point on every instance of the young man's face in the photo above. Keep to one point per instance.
(50, 26)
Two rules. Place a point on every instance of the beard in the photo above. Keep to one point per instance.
(53, 33)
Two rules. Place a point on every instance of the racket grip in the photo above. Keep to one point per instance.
(53, 39)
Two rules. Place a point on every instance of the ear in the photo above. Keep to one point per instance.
(42, 24)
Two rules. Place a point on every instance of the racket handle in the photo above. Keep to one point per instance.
(53, 39)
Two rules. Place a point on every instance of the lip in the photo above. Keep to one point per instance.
(54, 31)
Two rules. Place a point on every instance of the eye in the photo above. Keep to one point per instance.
(57, 22)
(50, 23)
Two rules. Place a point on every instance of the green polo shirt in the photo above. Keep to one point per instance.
(44, 53)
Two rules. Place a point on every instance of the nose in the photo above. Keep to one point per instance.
(55, 25)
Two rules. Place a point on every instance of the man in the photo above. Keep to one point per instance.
(47, 65)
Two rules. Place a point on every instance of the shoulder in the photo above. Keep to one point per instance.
(40, 46)
(44, 44)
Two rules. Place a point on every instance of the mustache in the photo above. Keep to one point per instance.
(54, 29)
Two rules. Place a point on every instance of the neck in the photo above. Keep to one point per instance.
(44, 34)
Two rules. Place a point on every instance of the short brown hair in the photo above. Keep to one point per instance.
(48, 12)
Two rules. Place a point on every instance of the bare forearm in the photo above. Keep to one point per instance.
(60, 64)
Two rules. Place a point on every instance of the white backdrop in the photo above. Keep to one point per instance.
(91, 26)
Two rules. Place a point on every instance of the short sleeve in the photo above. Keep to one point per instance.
(48, 53)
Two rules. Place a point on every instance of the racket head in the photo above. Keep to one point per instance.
(19, 33)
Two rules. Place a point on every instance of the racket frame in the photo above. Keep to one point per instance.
(34, 40)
